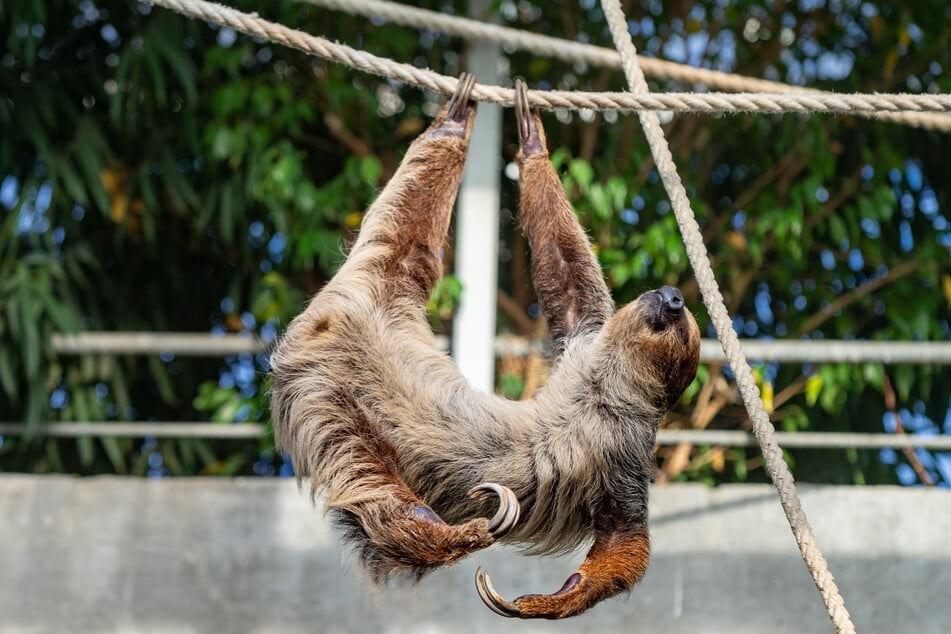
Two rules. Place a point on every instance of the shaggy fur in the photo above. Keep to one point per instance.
(382, 423)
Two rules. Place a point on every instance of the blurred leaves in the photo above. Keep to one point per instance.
(159, 173)
(443, 302)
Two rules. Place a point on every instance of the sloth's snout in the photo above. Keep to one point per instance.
(673, 301)
(664, 307)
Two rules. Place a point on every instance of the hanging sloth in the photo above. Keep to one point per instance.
(410, 458)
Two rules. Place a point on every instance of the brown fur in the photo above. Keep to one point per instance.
(384, 426)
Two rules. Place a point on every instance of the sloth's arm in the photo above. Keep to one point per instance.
(403, 231)
(565, 271)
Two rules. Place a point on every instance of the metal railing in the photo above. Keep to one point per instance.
(778, 350)
(781, 351)
(252, 431)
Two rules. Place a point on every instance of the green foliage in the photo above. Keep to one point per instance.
(511, 383)
(161, 174)
(818, 227)
(444, 301)
(225, 405)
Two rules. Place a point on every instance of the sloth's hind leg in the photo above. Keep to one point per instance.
(392, 529)
(616, 562)
(399, 534)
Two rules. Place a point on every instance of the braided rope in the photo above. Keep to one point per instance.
(697, 252)
(252, 25)
(567, 50)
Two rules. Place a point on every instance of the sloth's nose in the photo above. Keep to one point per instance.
(673, 300)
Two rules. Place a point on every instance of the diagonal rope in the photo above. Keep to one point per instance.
(697, 252)
(567, 50)
(253, 25)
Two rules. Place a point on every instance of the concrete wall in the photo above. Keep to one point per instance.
(116, 555)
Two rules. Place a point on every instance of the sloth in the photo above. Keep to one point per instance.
(416, 467)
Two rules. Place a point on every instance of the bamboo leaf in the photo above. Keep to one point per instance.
(30, 339)
(226, 214)
(85, 450)
(120, 392)
(36, 397)
(170, 457)
(157, 74)
(13, 315)
(63, 173)
(176, 185)
(114, 453)
(186, 448)
(7, 379)
(58, 313)
(162, 382)
(205, 453)
(148, 228)
(180, 65)
(53, 458)
(91, 161)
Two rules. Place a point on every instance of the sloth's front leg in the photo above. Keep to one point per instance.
(616, 562)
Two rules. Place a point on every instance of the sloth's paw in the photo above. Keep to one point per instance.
(454, 119)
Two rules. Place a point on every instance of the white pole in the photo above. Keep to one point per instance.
(477, 226)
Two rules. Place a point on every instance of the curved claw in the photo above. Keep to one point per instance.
(529, 135)
(523, 112)
(491, 598)
(459, 101)
(509, 509)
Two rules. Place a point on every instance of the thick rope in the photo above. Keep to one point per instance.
(567, 50)
(697, 252)
(252, 25)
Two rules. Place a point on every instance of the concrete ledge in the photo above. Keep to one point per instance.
(119, 555)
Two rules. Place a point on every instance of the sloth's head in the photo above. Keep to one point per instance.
(658, 344)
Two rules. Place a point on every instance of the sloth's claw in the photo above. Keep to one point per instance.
(454, 119)
(491, 598)
(529, 137)
(509, 509)
(459, 103)
(523, 112)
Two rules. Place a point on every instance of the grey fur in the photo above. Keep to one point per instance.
(364, 403)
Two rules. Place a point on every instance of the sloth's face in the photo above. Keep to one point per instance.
(661, 340)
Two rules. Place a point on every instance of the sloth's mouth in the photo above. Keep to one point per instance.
(665, 307)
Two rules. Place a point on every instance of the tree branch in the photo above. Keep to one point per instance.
(890, 403)
(524, 324)
(902, 270)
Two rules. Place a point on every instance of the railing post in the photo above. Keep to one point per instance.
(477, 227)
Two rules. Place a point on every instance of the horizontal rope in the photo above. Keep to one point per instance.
(252, 431)
(569, 51)
(558, 100)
